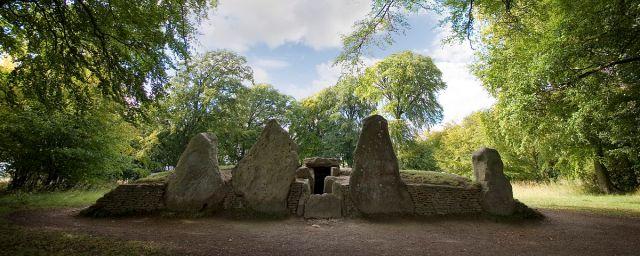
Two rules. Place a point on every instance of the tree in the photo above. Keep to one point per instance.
(69, 51)
(576, 64)
(245, 119)
(406, 85)
(556, 66)
(329, 122)
(63, 149)
(200, 97)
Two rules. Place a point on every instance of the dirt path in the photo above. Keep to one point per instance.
(562, 233)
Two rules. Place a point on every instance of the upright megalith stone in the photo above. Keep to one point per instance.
(375, 184)
(197, 183)
(496, 197)
(264, 175)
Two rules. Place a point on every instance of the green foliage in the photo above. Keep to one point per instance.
(563, 72)
(455, 144)
(61, 150)
(328, 123)
(210, 95)
(406, 84)
(67, 50)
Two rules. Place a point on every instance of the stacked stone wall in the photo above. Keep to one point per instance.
(129, 199)
(295, 192)
(341, 189)
(444, 200)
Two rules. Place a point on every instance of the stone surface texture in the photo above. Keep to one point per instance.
(431, 199)
(128, 199)
(263, 177)
(375, 184)
(496, 196)
(323, 206)
(321, 162)
(197, 184)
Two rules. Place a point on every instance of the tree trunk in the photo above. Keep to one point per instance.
(602, 174)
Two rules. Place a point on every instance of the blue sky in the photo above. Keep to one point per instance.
(291, 44)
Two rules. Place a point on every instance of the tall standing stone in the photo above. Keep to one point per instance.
(497, 196)
(197, 183)
(375, 184)
(264, 175)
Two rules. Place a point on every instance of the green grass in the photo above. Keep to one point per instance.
(22, 241)
(161, 177)
(437, 178)
(158, 177)
(570, 196)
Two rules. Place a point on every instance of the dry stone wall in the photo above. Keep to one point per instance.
(295, 192)
(444, 200)
(129, 199)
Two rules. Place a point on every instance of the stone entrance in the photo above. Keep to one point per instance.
(320, 173)
(320, 168)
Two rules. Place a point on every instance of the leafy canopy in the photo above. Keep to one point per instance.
(73, 51)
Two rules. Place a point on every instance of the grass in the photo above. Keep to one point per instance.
(570, 196)
(22, 241)
(158, 177)
(438, 178)
(161, 177)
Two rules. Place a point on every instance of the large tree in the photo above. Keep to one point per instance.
(406, 85)
(74, 51)
(553, 65)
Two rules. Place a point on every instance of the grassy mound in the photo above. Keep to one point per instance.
(158, 177)
(162, 177)
(436, 178)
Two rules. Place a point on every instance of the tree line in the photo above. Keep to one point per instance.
(86, 97)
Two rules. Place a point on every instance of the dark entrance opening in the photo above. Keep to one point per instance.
(319, 173)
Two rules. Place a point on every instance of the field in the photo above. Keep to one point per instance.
(570, 196)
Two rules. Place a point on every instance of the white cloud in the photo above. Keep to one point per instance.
(260, 75)
(240, 24)
(464, 93)
(270, 63)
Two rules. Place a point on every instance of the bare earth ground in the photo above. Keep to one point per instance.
(561, 233)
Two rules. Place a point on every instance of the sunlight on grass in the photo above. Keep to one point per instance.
(572, 197)
(75, 198)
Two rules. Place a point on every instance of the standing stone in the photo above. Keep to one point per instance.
(496, 196)
(264, 175)
(323, 206)
(375, 184)
(197, 183)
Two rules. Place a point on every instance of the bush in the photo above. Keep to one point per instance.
(63, 149)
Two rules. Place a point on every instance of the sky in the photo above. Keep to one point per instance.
(292, 44)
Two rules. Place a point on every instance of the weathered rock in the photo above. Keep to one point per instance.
(335, 171)
(345, 171)
(321, 162)
(340, 171)
(323, 206)
(304, 173)
(197, 183)
(341, 190)
(306, 191)
(328, 183)
(264, 175)
(496, 197)
(375, 184)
